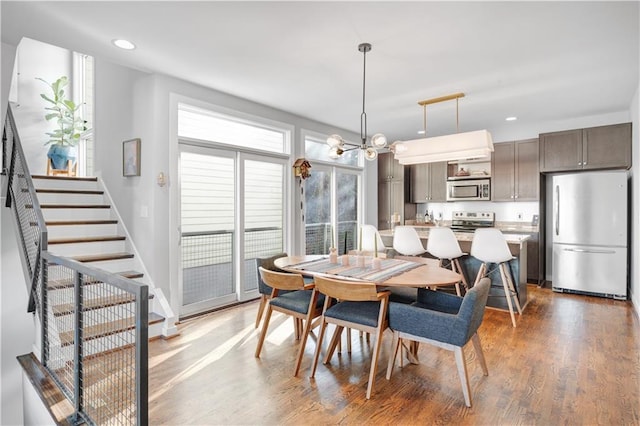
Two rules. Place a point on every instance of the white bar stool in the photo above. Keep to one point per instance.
(369, 235)
(406, 241)
(443, 245)
(490, 246)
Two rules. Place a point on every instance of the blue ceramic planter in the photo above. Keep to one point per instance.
(59, 155)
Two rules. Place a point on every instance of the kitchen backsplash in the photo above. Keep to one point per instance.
(505, 212)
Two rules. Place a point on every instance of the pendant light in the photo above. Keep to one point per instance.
(458, 146)
(337, 145)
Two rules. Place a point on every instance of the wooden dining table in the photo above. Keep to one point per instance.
(427, 274)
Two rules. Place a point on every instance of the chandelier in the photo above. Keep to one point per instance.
(338, 146)
(455, 147)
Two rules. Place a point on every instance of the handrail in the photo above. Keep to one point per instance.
(228, 231)
(19, 179)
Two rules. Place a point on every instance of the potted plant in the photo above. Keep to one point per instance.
(69, 125)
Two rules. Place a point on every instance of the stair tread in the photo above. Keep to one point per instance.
(106, 329)
(94, 303)
(76, 178)
(81, 222)
(101, 257)
(66, 191)
(68, 282)
(71, 206)
(87, 239)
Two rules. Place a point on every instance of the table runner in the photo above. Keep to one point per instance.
(389, 268)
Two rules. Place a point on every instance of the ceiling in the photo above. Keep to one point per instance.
(538, 61)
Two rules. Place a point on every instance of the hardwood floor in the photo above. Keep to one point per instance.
(571, 360)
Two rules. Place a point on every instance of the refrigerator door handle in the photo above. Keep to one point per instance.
(557, 215)
(577, 250)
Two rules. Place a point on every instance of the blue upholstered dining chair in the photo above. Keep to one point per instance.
(360, 306)
(300, 302)
(443, 320)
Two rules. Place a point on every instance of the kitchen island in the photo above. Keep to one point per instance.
(517, 245)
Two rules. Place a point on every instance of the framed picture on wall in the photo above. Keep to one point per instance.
(131, 157)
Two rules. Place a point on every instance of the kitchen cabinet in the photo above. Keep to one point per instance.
(428, 182)
(514, 171)
(603, 147)
(391, 190)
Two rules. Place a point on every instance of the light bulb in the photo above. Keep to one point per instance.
(370, 154)
(399, 147)
(335, 141)
(335, 152)
(379, 140)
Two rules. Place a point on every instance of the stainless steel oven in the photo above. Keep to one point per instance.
(468, 189)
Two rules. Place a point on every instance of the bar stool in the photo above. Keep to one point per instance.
(369, 237)
(406, 241)
(490, 246)
(443, 245)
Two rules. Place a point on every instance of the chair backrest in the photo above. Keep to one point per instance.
(473, 305)
(406, 241)
(442, 243)
(489, 245)
(267, 263)
(281, 280)
(369, 235)
(354, 291)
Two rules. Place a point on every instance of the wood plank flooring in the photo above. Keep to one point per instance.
(571, 360)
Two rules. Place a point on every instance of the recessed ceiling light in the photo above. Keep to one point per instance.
(123, 44)
(511, 118)
(421, 132)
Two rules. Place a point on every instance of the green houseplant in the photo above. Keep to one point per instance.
(69, 125)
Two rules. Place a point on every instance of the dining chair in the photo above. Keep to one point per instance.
(443, 245)
(490, 246)
(360, 306)
(265, 290)
(443, 320)
(371, 238)
(406, 241)
(300, 302)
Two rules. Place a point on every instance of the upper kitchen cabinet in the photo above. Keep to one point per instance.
(428, 182)
(391, 190)
(389, 168)
(514, 171)
(604, 147)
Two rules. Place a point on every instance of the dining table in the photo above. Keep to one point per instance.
(400, 271)
(404, 271)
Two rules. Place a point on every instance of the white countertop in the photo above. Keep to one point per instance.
(423, 232)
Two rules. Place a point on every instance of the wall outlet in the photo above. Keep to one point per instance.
(519, 216)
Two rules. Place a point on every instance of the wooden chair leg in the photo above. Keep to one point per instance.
(481, 273)
(507, 272)
(462, 372)
(263, 333)
(332, 345)
(457, 268)
(263, 303)
(348, 333)
(507, 293)
(308, 325)
(395, 345)
(316, 355)
(374, 362)
(479, 353)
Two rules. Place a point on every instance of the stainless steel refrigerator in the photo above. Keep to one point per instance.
(590, 233)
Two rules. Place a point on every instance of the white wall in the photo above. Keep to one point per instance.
(6, 71)
(49, 62)
(17, 325)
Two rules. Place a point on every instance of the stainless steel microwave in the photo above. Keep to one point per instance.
(469, 189)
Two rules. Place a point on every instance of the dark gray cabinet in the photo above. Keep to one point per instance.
(391, 190)
(514, 171)
(603, 147)
(428, 182)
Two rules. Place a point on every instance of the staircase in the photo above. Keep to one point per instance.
(82, 225)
